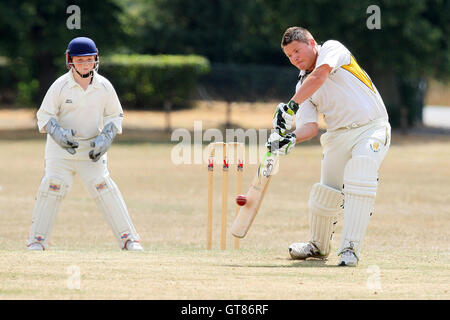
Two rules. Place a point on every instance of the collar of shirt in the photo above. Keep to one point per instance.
(302, 75)
(95, 82)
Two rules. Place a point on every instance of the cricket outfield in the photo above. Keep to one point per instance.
(406, 253)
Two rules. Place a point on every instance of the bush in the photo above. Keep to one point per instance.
(247, 82)
(27, 92)
(8, 81)
(150, 82)
(16, 83)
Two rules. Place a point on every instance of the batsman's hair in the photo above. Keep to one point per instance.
(295, 34)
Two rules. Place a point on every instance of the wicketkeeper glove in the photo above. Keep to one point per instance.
(102, 142)
(281, 144)
(63, 137)
(284, 116)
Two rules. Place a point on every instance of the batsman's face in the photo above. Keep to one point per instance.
(84, 64)
(302, 55)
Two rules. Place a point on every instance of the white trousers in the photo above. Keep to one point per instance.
(339, 146)
(66, 170)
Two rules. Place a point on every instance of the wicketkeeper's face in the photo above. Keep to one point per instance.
(84, 64)
(302, 55)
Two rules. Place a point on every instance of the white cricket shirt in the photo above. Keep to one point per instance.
(348, 98)
(87, 112)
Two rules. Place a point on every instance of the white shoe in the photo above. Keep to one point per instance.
(304, 250)
(348, 258)
(134, 246)
(36, 246)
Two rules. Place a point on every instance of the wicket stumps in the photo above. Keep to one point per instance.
(240, 154)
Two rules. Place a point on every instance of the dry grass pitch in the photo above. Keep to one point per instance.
(406, 253)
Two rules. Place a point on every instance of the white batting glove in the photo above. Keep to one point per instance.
(281, 144)
(284, 116)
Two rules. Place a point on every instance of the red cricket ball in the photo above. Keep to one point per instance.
(241, 200)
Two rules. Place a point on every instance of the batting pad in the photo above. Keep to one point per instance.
(324, 205)
(50, 194)
(109, 200)
(360, 189)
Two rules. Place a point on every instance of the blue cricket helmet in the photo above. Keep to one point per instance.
(81, 46)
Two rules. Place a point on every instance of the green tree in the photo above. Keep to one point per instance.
(207, 27)
(34, 35)
(412, 44)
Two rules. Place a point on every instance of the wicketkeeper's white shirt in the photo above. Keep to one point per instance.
(87, 112)
(348, 98)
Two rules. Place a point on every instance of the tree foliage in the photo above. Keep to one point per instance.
(412, 44)
(34, 34)
(413, 39)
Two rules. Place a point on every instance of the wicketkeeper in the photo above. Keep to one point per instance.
(81, 115)
(357, 139)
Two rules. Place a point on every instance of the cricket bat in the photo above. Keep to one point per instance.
(255, 195)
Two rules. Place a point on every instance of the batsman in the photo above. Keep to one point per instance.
(81, 114)
(332, 83)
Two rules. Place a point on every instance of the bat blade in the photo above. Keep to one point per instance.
(255, 195)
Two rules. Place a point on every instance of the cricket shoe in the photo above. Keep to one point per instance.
(36, 246)
(133, 246)
(304, 250)
(348, 258)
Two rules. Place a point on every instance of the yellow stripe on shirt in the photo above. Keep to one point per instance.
(354, 68)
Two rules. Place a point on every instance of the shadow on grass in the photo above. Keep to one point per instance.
(130, 136)
(157, 136)
(310, 263)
